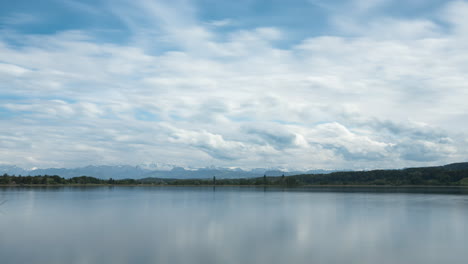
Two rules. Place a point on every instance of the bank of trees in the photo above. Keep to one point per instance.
(432, 176)
(435, 176)
(27, 180)
(53, 180)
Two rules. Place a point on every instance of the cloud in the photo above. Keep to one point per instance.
(17, 19)
(82, 7)
(221, 23)
(455, 13)
(364, 6)
(275, 136)
(11, 69)
(384, 94)
(216, 146)
(348, 144)
(424, 151)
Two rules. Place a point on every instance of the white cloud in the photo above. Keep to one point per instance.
(455, 13)
(367, 5)
(235, 98)
(11, 69)
(221, 23)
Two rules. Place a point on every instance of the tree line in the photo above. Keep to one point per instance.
(430, 176)
(57, 180)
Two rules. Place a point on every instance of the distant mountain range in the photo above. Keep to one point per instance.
(154, 171)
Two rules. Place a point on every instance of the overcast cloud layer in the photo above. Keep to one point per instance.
(302, 84)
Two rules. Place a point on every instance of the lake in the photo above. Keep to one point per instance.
(233, 225)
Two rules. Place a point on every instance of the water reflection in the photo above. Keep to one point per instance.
(231, 225)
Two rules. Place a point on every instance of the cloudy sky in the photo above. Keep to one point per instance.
(355, 84)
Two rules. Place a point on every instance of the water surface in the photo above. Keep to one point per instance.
(233, 225)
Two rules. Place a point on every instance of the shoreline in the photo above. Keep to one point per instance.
(232, 185)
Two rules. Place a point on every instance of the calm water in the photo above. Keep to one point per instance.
(232, 225)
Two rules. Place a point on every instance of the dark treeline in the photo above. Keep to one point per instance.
(282, 180)
(435, 176)
(55, 180)
(449, 175)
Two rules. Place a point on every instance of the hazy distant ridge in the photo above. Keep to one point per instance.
(137, 172)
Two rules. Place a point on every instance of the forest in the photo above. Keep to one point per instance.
(449, 175)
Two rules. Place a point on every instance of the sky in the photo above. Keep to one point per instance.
(300, 84)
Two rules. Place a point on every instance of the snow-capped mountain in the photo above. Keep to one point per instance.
(156, 170)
